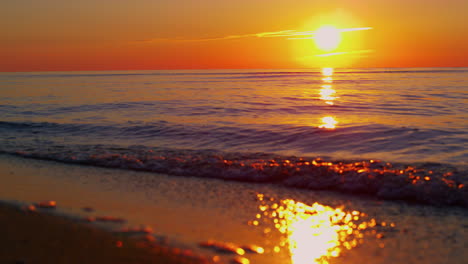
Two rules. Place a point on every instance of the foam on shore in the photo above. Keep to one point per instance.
(427, 183)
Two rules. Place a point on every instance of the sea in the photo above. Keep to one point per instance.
(388, 133)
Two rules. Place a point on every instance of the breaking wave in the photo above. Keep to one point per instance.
(427, 183)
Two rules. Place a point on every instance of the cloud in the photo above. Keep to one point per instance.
(345, 52)
(282, 33)
(289, 34)
(355, 29)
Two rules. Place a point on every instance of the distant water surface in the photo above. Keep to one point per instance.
(416, 115)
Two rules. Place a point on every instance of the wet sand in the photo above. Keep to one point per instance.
(36, 237)
(288, 224)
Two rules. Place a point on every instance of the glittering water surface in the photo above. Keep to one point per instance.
(393, 114)
(315, 233)
(245, 124)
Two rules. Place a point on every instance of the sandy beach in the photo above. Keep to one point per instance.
(38, 237)
(208, 216)
(233, 132)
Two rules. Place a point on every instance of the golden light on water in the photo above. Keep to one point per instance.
(327, 72)
(313, 233)
(327, 93)
(328, 122)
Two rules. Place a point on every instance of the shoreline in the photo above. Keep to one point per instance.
(194, 211)
(421, 182)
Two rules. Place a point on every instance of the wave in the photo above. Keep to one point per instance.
(427, 183)
(373, 141)
(410, 115)
(236, 107)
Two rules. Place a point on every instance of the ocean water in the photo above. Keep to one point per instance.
(390, 133)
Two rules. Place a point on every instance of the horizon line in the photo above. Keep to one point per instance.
(216, 69)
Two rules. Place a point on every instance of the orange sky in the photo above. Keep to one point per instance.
(198, 34)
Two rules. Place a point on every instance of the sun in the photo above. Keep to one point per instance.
(327, 38)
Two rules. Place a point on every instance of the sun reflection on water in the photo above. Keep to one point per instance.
(328, 122)
(327, 71)
(311, 226)
(328, 95)
(312, 233)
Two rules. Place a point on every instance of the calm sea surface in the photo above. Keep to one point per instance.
(255, 125)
